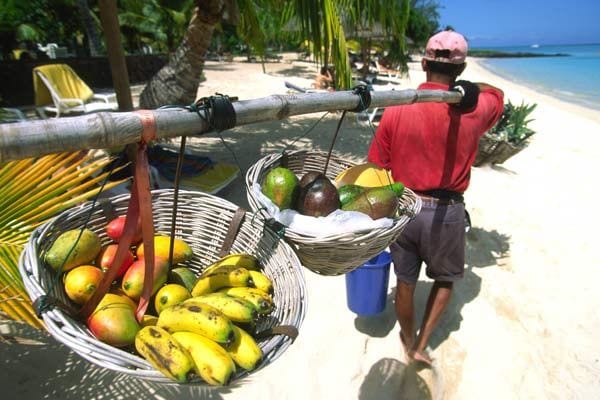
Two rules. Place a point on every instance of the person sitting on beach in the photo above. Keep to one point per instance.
(430, 147)
(324, 80)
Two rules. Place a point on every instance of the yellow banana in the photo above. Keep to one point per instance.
(234, 308)
(199, 318)
(211, 361)
(164, 353)
(262, 282)
(244, 350)
(261, 300)
(241, 260)
(225, 276)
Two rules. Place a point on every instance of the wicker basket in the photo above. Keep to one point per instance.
(202, 221)
(333, 254)
(494, 150)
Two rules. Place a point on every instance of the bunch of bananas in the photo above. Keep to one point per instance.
(209, 332)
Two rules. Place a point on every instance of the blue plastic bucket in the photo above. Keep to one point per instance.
(367, 285)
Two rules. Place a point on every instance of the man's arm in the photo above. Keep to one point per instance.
(485, 86)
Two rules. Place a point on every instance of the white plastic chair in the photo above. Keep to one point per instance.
(59, 84)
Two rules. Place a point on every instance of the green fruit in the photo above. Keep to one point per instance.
(183, 276)
(67, 252)
(378, 202)
(281, 187)
(349, 192)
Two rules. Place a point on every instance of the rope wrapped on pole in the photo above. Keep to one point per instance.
(110, 129)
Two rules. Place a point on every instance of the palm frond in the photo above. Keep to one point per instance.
(32, 191)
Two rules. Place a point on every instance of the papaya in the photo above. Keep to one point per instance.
(67, 252)
(367, 175)
(378, 202)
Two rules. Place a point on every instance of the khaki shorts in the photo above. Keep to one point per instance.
(435, 236)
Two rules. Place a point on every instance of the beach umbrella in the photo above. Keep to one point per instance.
(111, 129)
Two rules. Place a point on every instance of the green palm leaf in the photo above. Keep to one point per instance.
(32, 191)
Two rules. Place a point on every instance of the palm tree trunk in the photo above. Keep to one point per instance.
(92, 33)
(177, 82)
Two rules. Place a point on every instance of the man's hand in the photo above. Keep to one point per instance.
(470, 92)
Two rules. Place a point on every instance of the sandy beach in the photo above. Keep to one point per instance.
(522, 322)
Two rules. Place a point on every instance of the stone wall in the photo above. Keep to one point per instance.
(16, 88)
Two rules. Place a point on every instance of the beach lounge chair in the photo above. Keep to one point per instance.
(59, 90)
(198, 172)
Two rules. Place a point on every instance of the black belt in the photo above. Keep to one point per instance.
(441, 196)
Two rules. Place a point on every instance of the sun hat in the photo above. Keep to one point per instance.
(447, 46)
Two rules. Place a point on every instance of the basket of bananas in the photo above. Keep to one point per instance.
(336, 214)
(213, 318)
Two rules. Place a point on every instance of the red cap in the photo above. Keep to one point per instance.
(446, 46)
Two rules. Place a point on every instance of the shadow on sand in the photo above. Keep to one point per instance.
(36, 366)
(391, 379)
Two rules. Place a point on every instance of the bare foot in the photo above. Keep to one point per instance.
(421, 357)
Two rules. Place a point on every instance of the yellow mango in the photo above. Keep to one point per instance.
(181, 250)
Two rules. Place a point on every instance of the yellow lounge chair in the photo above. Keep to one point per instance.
(59, 85)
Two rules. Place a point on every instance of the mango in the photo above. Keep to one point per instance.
(114, 230)
(107, 255)
(81, 282)
(60, 256)
(181, 250)
(133, 280)
(113, 321)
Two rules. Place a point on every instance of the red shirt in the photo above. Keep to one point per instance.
(433, 145)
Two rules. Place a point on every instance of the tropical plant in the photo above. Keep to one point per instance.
(321, 22)
(513, 124)
(32, 191)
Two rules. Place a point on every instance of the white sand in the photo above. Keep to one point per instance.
(522, 323)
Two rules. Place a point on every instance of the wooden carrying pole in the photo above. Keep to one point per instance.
(109, 129)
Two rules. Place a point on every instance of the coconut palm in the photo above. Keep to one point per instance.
(32, 191)
(321, 21)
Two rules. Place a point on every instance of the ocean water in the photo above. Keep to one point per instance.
(574, 78)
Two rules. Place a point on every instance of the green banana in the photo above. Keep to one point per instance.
(240, 260)
(262, 282)
(261, 300)
(198, 318)
(244, 350)
(234, 308)
(164, 353)
(211, 361)
(227, 275)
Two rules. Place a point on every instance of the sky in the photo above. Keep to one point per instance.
(525, 22)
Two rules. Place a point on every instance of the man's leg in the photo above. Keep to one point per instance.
(438, 300)
(405, 312)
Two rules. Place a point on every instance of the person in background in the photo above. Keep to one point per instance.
(324, 80)
(430, 147)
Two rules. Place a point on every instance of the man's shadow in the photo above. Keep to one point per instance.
(390, 379)
(483, 249)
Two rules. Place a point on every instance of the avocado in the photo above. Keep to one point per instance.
(377, 202)
(317, 196)
(281, 187)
